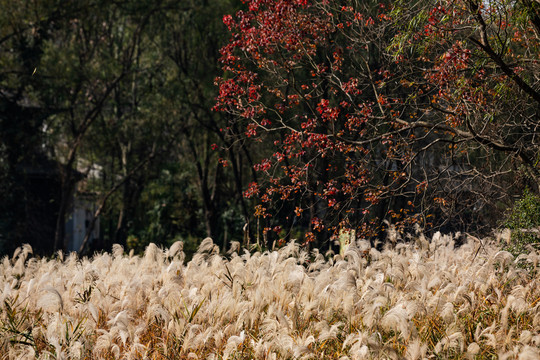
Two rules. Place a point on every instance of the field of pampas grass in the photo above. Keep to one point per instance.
(423, 299)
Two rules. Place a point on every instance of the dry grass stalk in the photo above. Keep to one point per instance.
(414, 301)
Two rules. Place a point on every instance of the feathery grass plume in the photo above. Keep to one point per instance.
(232, 344)
(206, 246)
(416, 350)
(472, 350)
(504, 257)
(117, 250)
(292, 249)
(18, 251)
(448, 313)
(529, 353)
(397, 319)
(327, 332)
(51, 300)
(410, 301)
(234, 248)
(453, 340)
(152, 255)
(359, 351)
(25, 251)
(175, 249)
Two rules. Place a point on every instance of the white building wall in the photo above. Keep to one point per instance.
(78, 223)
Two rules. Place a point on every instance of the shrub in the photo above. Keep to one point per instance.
(524, 221)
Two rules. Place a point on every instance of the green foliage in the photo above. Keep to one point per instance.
(121, 93)
(524, 219)
(168, 212)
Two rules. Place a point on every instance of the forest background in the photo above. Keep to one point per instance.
(264, 121)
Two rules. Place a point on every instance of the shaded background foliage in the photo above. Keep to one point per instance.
(112, 102)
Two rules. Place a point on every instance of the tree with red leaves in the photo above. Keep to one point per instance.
(393, 113)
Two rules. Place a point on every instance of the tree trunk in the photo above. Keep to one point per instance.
(66, 194)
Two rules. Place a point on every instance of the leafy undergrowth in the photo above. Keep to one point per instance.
(419, 300)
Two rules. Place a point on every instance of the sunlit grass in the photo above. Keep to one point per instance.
(423, 299)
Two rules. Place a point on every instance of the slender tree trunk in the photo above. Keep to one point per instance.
(66, 193)
(106, 197)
